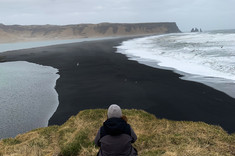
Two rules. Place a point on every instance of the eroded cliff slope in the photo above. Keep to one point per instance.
(17, 33)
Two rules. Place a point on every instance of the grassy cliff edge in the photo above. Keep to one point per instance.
(155, 137)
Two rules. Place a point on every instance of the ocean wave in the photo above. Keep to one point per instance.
(202, 54)
(206, 55)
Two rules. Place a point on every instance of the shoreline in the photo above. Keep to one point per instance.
(28, 98)
(104, 77)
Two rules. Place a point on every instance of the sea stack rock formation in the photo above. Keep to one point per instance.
(16, 33)
(196, 30)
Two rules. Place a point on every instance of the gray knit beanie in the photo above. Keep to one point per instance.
(114, 111)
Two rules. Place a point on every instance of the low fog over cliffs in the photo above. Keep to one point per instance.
(16, 33)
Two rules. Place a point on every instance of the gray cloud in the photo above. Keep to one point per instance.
(207, 14)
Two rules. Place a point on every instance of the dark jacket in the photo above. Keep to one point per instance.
(115, 137)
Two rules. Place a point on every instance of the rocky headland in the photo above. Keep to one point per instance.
(21, 33)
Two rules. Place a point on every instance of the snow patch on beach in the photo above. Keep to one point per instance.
(28, 97)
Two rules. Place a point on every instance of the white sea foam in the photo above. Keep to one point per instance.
(206, 55)
(27, 97)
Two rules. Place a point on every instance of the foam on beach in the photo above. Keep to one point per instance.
(28, 97)
(203, 57)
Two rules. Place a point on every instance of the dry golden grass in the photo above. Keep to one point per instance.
(155, 137)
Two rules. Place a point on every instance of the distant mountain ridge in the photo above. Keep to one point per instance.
(16, 33)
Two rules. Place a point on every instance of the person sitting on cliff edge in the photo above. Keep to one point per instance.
(116, 135)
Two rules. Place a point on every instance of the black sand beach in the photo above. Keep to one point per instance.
(103, 77)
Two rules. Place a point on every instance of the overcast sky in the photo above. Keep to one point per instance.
(205, 14)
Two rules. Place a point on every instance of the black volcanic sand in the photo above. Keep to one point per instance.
(104, 77)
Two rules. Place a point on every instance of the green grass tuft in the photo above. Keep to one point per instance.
(73, 148)
(11, 141)
(154, 153)
(46, 132)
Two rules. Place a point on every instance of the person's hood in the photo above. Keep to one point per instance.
(116, 126)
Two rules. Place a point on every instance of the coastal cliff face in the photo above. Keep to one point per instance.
(16, 33)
